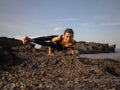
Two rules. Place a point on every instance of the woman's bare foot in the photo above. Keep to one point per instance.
(26, 40)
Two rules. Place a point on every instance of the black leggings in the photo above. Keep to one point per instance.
(45, 41)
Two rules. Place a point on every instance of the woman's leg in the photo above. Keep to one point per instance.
(43, 39)
(56, 46)
(39, 40)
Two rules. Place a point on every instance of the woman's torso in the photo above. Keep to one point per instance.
(63, 43)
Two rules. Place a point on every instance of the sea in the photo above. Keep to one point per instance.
(115, 55)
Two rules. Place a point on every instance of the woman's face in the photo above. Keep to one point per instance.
(68, 37)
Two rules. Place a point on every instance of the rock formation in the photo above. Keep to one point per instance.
(24, 68)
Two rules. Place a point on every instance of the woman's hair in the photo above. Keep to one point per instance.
(69, 30)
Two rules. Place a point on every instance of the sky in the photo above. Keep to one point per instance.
(91, 20)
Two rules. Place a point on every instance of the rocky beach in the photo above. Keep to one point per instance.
(22, 67)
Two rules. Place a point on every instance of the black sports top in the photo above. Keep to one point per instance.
(60, 46)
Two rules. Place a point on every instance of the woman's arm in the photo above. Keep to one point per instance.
(73, 49)
(50, 52)
(56, 39)
(49, 48)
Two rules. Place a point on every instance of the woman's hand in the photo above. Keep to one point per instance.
(50, 52)
(73, 49)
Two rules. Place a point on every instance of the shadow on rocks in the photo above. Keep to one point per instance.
(9, 58)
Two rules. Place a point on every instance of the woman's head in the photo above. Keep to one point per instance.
(68, 34)
(69, 30)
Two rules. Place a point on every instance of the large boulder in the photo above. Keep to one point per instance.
(92, 47)
(14, 44)
(7, 43)
(5, 57)
(7, 48)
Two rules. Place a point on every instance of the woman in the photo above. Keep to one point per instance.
(59, 43)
